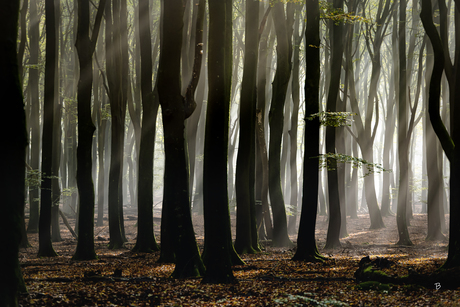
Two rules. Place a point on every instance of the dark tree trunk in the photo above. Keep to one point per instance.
(447, 141)
(116, 74)
(246, 228)
(85, 49)
(145, 238)
(34, 124)
(45, 247)
(219, 254)
(306, 242)
(333, 232)
(175, 194)
(276, 119)
(14, 134)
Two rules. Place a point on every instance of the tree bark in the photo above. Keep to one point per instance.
(15, 135)
(306, 242)
(176, 185)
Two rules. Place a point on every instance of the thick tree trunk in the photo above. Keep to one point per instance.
(175, 193)
(219, 254)
(15, 135)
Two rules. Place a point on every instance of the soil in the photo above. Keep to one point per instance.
(270, 278)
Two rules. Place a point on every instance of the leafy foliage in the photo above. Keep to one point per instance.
(333, 119)
(325, 162)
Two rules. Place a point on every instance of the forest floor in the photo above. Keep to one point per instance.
(269, 278)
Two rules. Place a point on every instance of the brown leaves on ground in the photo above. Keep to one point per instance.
(270, 278)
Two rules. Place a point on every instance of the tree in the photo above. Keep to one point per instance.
(85, 49)
(442, 62)
(246, 229)
(306, 243)
(117, 74)
(145, 238)
(34, 122)
(333, 231)
(15, 135)
(44, 225)
(219, 254)
(403, 135)
(276, 119)
(174, 112)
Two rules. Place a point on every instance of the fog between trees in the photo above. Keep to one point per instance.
(208, 107)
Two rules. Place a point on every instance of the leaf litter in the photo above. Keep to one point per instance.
(270, 278)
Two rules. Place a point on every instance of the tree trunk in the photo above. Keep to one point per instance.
(306, 243)
(176, 185)
(276, 119)
(219, 254)
(403, 142)
(45, 247)
(85, 49)
(245, 165)
(34, 122)
(145, 238)
(15, 135)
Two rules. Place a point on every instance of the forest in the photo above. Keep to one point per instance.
(230, 152)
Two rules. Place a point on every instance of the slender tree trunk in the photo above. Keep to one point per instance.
(85, 49)
(403, 141)
(276, 119)
(145, 238)
(245, 164)
(45, 247)
(306, 242)
(34, 122)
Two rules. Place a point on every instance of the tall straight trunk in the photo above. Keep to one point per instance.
(45, 247)
(85, 49)
(219, 254)
(403, 142)
(292, 222)
(14, 133)
(333, 232)
(174, 112)
(34, 121)
(265, 222)
(116, 74)
(306, 242)
(245, 165)
(145, 238)
(276, 119)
